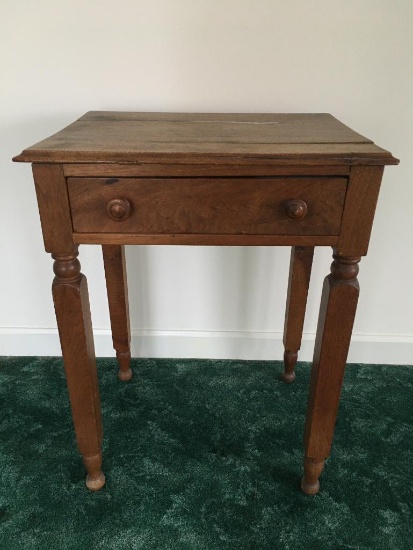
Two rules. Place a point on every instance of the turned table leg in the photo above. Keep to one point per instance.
(117, 289)
(335, 324)
(71, 301)
(298, 282)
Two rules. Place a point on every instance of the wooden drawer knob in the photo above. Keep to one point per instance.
(118, 209)
(296, 209)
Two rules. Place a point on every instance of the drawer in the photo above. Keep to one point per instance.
(214, 206)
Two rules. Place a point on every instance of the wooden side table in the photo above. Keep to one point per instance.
(301, 180)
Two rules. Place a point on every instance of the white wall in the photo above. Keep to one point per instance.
(352, 58)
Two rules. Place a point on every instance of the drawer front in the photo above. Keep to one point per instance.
(214, 206)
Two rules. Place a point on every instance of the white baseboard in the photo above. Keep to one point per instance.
(365, 348)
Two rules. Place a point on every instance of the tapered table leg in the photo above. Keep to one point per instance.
(298, 283)
(117, 289)
(71, 301)
(335, 324)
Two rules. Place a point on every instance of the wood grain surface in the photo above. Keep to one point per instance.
(117, 289)
(298, 282)
(257, 206)
(53, 203)
(359, 209)
(162, 137)
(71, 301)
(206, 240)
(335, 324)
(252, 168)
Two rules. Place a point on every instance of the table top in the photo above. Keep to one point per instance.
(123, 137)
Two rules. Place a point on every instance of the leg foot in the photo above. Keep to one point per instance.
(95, 484)
(125, 375)
(290, 360)
(95, 478)
(124, 372)
(312, 471)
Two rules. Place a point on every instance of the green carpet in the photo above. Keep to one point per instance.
(204, 455)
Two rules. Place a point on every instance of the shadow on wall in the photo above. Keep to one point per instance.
(213, 289)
